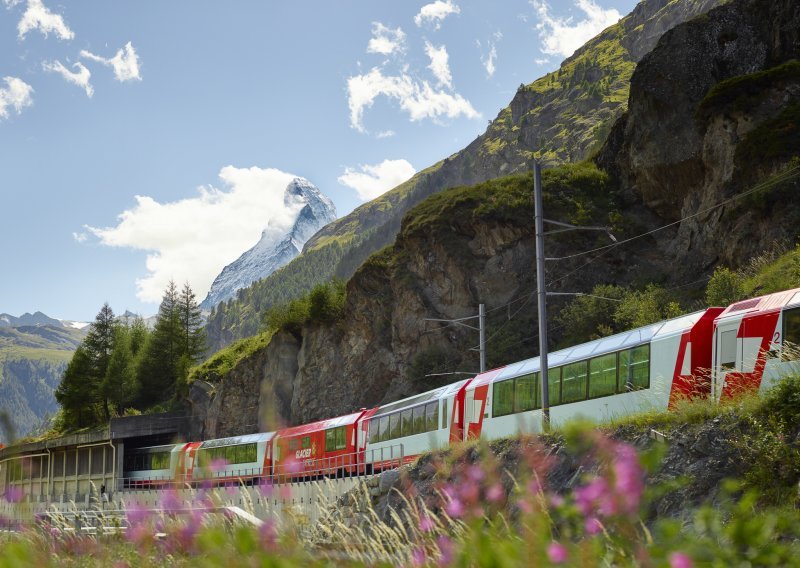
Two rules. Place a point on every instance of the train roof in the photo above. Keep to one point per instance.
(602, 346)
(320, 425)
(238, 440)
(436, 394)
(767, 303)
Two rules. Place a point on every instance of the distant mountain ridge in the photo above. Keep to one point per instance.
(315, 210)
(38, 319)
(32, 358)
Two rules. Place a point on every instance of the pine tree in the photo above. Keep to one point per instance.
(158, 367)
(194, 334)
(119, 384)
(74, 393)
(99, 343)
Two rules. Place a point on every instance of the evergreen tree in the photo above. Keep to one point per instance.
(120, 385)
(74, 393)
(99, 343)
(194, 334)
(158, 367)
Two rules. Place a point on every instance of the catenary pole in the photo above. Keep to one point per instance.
(542, 293)
(482, 333)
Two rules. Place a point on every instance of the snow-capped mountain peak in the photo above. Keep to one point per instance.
(276, 247)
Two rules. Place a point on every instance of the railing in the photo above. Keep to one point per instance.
(357, 464)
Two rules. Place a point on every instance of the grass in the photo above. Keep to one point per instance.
(223, 361)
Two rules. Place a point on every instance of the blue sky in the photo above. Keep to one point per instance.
(204, 109)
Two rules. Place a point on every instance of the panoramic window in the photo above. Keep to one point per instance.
(573, 382)
(503, 398)
(791, 335)
(634, 366)
(603, 375)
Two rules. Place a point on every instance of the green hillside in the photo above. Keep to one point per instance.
(32, 360)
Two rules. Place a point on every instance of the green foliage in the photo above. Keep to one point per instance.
(643, 307)
(746, 91)
(323, 304)
(724, 288)
(592, 316)
(220, 364)
(775, 139)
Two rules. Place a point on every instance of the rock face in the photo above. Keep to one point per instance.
(693, 138)
(682, 156)
(314, 211)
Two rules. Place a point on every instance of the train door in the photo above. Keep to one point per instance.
(727, 358)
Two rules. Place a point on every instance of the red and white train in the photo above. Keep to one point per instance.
(715, 352)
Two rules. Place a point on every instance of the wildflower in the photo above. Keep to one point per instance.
(136, 514)
(171, 502)
(495, 493)
(525, 506)
(596, 492)
(13, 494)
(269, 535)
(592, 526)
(418, 557)
(425, 523)
(445, 549)
(475, 473)
(680, 560)
(557, 553)
(218, 465)
(454, 508)
(266, 488)
(628, 477)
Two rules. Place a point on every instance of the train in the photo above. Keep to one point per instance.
(712, 353)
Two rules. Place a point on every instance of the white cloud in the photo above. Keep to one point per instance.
(386, 40)
(439, 64)
(80, 77)
(385, 134)
(488, 59)
(373, 181)
(194, 238)
(80, 237)
(418, 99)
(38, 17)
(562, 36)
(17, 94)
(125, 63)
(435, 12)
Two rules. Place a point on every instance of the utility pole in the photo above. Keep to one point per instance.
(481, 329)
(541, 289)
(541, 293)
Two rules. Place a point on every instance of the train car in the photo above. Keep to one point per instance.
(756, 342)
(645, 368)
(150, 467)
(328, 447)
(399, 432)
(234, 459)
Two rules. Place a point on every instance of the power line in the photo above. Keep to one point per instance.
(784, 176)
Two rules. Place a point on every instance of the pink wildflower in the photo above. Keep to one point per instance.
(446, 549)
(593, 526)
(218, 465)
(418, 557)
(455, 508)
(557, 553)
(525, 506)
(680, 560)
(13, 494)
(425, 523)
(269, 535)
(495, 493)
(628, 478)
(475, 473)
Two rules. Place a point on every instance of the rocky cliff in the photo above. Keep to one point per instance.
(275, 249)
(710, 143)
(559, 118)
